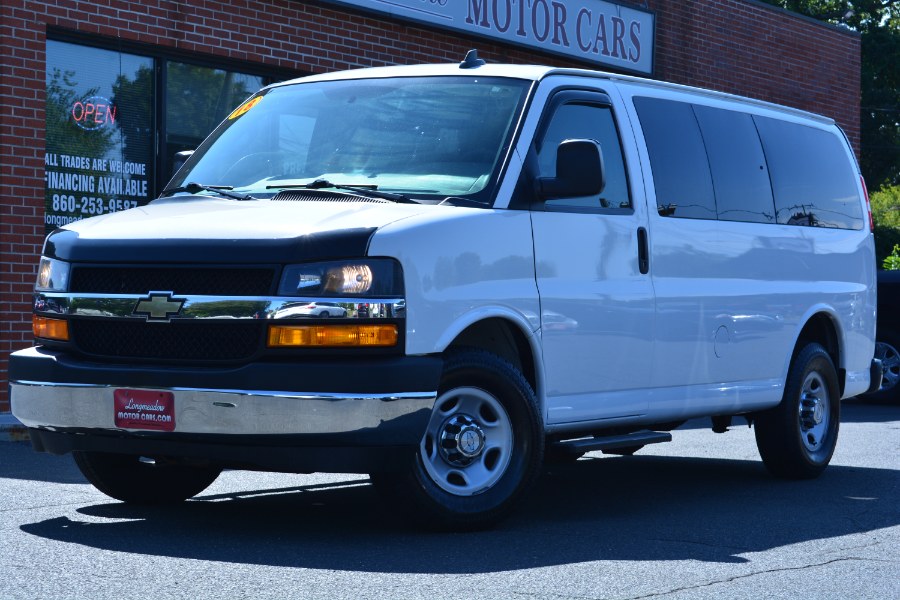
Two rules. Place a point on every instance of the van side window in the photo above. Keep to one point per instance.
(681, 174)
(577, 120)
(739, 171)
(813, 181)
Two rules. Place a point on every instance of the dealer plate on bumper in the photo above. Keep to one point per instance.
(144, 409)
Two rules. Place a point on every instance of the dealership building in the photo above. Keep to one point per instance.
(97, 97)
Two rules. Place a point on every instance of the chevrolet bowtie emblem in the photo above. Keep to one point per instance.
(158, 306)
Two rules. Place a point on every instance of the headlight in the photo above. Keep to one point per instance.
(53, 275)
(379, 277)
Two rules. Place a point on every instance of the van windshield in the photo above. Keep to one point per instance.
(427, 138)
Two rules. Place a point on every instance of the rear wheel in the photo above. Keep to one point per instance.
(482, 448)
(887, 349)
(140, 480)
(796, 439)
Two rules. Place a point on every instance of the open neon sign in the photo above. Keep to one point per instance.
(94, 112)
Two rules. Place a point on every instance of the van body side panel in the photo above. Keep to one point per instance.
(597, 308)
(462, 265)
(732, 302)
(732, 296)
(598, 315)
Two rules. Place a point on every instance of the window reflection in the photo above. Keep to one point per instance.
(197, 99)
(811, 176)
(99, 132)
(678, 159)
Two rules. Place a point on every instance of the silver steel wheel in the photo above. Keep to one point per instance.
(890, 360)
(796, 439)
(469, 441)
(814, 411)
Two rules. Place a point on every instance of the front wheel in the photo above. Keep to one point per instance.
(796, 439)
(482, 448)
(140, 480)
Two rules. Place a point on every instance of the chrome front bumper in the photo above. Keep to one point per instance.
(348, 414)
(228, 412)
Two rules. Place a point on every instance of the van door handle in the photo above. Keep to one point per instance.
(643, 251)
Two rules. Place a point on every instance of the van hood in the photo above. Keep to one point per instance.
(213, 230)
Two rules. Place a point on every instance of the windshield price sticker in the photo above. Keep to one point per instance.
(244, 108)
(144, 409)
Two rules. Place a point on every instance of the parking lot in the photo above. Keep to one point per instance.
(695, 518)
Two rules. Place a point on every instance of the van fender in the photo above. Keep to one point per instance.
(832, 341)
(527, 325)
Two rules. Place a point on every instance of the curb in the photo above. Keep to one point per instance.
(11, 430)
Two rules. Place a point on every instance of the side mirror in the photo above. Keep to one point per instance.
(579, 171)
(179, 160)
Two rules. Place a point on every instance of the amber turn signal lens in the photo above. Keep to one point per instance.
(333, 336)
(51, 329)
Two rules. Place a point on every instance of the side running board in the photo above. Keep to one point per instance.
(613, 442)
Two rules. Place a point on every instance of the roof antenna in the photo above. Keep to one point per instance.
(472, 61)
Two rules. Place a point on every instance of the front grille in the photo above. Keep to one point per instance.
(181, 280)
(177, 340)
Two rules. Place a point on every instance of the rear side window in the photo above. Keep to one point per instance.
(678, 158)
(738, 165)
(710, 163)
(813, 181)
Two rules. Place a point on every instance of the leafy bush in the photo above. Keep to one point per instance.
(892, 261)
(886, 213)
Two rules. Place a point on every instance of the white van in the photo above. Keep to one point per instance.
(522, 262)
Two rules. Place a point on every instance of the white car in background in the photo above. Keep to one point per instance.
(318, 310)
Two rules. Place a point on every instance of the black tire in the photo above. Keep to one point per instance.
(887, 349)
(482, 450)
(140, 481)
(796, 439)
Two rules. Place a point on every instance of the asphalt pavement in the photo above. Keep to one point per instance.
(695, 518)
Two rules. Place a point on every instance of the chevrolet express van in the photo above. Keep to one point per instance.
(523, 262)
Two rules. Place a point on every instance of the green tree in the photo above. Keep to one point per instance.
(892, 261)
(886, 214)
(880, 118)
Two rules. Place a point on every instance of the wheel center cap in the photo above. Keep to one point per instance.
(461, 441)
(812, 411)
(470, 441)
(817, 413)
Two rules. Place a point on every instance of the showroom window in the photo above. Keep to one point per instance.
(115, 119)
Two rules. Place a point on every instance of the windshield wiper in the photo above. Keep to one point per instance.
(222, 190)
(457, 201)
(370, 191)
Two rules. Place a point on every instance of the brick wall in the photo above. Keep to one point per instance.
(737, 46)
